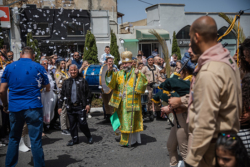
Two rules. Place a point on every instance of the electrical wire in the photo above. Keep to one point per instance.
(146, 2)
(246, 9)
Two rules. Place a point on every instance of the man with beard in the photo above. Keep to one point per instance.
(10, 56)
(152, 74)
(77, 60)
(215, 94)
(107, 96)
(125, 100)
(158, 64)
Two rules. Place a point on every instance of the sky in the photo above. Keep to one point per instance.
(134, 10)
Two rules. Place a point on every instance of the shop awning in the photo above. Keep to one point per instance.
(143, 34)
(130, 40)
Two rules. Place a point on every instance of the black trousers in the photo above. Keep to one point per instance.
(5, 124)
(56, 116)
(76, 116)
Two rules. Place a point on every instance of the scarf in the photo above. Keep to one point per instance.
(152, 71)
(215, 53)
(66, 75)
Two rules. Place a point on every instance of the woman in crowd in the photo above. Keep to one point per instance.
(141, 58)
(52, 66)
(60, 76)
(244, 132)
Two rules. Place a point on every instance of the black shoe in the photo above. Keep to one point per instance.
(118, 139)
(90, 140)
(151, 116)
(55, 127)
(46, 128)
(70, 143)
(107, 120)
(65, 132)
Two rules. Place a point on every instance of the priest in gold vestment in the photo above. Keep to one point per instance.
(122, 84)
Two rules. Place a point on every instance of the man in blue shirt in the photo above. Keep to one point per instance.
(24, 78)
(155, 52)
(77, 60)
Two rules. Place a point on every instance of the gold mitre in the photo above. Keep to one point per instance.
(126, 57)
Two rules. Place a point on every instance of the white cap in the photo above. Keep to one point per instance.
(110, 57)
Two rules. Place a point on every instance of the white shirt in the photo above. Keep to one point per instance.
(159, 68)
(50, 67)
(103, 57)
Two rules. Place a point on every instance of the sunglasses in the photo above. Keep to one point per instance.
(76, 55)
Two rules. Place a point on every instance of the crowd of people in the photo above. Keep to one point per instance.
(206, 100)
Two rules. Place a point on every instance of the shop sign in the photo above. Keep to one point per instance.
(5, 17)
(183, 42)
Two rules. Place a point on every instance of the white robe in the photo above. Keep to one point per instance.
(49, 100)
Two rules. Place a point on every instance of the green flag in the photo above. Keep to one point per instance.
(115, 121)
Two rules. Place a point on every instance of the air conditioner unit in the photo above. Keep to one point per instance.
(132, 30)
(47, 7)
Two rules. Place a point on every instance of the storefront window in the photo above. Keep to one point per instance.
(183, 33)
(74, 29)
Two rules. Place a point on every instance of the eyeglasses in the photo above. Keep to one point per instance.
(246, 56)
(45, 63)
(76, 55)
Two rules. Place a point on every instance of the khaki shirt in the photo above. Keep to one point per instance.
(217, 104)
(151, 76)
(59, 77)
(184, 101)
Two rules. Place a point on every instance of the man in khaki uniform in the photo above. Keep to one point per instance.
(215, 96)
(152, 74)
(106, 97)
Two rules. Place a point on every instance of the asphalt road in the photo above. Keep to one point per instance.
(105, 151)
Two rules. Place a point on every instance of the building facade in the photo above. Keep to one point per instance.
(172, 17)
(108, 5)
(60, 26)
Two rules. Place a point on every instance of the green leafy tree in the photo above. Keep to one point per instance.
(114, 48)
(1, 38)
(34, 45)
(90, 49)
(175, 48)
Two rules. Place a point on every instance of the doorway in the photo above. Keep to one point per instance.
(148, 47)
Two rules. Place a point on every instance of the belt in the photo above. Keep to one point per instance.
(213, 140)
(75, 104)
